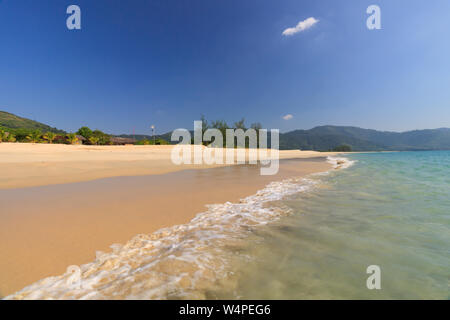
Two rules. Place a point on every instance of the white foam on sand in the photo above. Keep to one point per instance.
(183, 261)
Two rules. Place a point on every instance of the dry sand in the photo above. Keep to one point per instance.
(27, 164)
(47, 228)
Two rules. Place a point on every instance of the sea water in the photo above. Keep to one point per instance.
(388, 209)
(302, 238)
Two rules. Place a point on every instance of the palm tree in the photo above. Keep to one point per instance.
(3, 135)
(10, 138)
(72, 138)
(94, 140)
(240, 124)
(35, 136)
(50, 136)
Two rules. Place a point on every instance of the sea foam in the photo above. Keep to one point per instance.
(340, 162)
(183, 261)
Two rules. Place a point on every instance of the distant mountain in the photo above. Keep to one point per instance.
(322, 138)
(11, 121)
(165, 136)
(328, 137)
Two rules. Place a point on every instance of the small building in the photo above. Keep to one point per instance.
(80, 140)
(120, 141)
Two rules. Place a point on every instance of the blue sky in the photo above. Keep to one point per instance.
(136, 63)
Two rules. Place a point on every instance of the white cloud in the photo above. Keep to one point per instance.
(288, 117)
(301, 26)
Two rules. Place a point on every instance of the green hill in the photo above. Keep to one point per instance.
(11, 121)
(324, 141)
(139, 137)
(324, 138)
(330, 137)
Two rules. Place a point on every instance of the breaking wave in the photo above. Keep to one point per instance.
(340, 162)
(181, 262)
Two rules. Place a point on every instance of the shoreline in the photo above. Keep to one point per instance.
(24, 165)
(45, 229)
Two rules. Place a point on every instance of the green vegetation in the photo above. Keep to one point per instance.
(323, 138)
(20, 134)
(3, 135)
(342, 148)
(222, 126)
(10, 121)
(10, 138)
(326, 138)
(35, 136)
(103, 138)
(94, 140)
(145, 142)
(85, 132)
(72, 138)
(6, 136)
(50, 137)
(95, 137)
(21, 129)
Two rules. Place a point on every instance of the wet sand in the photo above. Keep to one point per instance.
(45, 229)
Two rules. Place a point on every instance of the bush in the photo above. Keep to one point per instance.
(85, 132)
(21, 134)
(343, 148)
(35, 136)
(146, 142)
(103, 138)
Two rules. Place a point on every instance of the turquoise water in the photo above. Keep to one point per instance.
(388, 209)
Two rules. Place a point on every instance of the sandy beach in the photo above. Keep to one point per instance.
(27, 164)
(60, 204)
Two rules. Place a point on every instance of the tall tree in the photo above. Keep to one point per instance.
(3, 135)
(35, 136)
(72, 138)
(10, 137)
(50, 136)
(94, 140)
(85, 132)
(103, 138)
(240, 124)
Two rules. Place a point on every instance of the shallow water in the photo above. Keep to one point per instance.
(389, 209)
(297, 239)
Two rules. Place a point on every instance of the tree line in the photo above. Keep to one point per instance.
(95, 137)
(222, 126)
